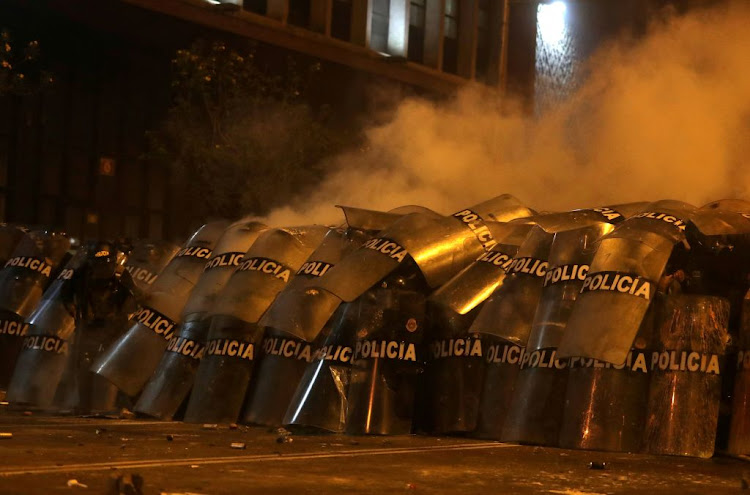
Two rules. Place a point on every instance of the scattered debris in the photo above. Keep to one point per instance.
(170, 438)
(180, 493)
(193, 466)
(6, 436)
(125, 484)
(284, 436)
(208, 426)
(233, 426)
(238, 445)
(75, 483)
(99, 431)
(126, 414)
(597, 465)
(411, 486)
(28, 413)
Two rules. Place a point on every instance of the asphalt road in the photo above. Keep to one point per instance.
(46, 452)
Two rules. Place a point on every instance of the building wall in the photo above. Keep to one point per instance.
(71, 158)
(71, 153)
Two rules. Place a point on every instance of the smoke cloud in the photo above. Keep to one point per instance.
(665, 117)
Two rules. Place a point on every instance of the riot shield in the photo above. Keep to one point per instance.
(27, 273)
(455, 368)
(389, 355)
(538, 401)
(621, 282)
(687, 365)
(475, 283)
(170, 384)
(224, 372)
(441, 246)
(46, 346)
(504, 323)
(104, 297)
(739, 431)
(302, 309)
(373, 221)
(609, 330)
(132, 359)
(292, 324)
(146, 260)
(320, 401)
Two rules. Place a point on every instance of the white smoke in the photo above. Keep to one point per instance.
(666, 117)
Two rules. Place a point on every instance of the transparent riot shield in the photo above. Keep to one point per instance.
(32, 265)
(456, 366)
(504, 323)
(687, 365)
(440, 245)
(320, 401)
(621, 282)
(46, 347)
(538, 401)
(224, 372)
(389, 355)
(131, 360)
(293, 323)
(146, 260)
(170, 384)
(739, 432)
(611, 326)
(105, 296)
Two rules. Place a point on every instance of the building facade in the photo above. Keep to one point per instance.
(71, 157)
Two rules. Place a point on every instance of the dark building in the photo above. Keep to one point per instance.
(70, 157)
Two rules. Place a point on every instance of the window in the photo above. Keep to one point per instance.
(379, 30)
(341, 19)
(416, 30)
(450, 37)
(256, 6)
(483, 40)
(299, 13)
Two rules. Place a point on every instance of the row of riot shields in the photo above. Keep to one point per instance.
(70, 304)
(613, 345)
(602, 328)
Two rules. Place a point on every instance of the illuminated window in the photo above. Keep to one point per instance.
(379, 27)
(551, 22)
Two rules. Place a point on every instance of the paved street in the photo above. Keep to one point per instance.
(46, 452)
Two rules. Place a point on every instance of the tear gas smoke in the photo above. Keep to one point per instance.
(664, 117)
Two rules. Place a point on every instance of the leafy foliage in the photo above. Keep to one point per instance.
(238, 139)
(20, 68)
